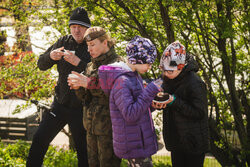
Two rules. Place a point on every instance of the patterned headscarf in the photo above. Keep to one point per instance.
(141, 51)
(173, 57)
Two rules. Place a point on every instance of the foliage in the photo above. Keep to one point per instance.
(215, 32)
(162, 161)
(3, 45)
(20, 77)
(20, 11)
(157, 116)
(60, 158)
(16, 154)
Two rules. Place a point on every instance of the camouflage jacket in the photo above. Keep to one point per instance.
(96, 114)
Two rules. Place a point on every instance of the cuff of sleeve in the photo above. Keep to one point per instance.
(169, 104)
(80, 93)
(82, 65)
(49, 59)
(158, 87)
(92, 83)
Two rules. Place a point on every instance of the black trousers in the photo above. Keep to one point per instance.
(184, 159)
(51, 126)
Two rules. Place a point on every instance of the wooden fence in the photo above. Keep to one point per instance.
(18, 128)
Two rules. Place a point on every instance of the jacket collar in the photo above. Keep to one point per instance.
(71, 38)
(104, 58)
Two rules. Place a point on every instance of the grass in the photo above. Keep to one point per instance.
(210, 161)
(165, 161)
(16, 154)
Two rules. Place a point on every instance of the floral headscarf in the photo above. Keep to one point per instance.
(173, 57)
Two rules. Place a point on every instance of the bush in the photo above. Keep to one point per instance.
(20, 77)
(15, 155)
(60, 158)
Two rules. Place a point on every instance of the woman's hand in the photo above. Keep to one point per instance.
(77, 80)
(158, 105)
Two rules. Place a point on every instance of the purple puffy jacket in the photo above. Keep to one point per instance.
(133, 129)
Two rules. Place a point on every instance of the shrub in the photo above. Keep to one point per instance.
(20, 77)
(15, 155)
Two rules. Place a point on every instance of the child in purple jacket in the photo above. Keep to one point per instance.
(134, 135)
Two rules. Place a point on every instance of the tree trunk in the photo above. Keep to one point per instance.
(23, 38)
(166, 22)
(226, 155)
(71, 141)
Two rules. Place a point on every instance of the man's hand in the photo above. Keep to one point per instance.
(71, 58)
(68, 56)
(57, 54)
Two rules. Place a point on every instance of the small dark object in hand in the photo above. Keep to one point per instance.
(161, 97)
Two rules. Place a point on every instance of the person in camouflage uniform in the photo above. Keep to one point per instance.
(96, 115)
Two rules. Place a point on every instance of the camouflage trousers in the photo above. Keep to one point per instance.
(100, 151)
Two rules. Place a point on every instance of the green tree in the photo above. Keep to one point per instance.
(24, 80)
(3, 45)
(217, 34)
(20, 10)
(20, 78)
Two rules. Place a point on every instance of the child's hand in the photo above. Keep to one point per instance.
(162, 105)
(158, 105)
(158, 83)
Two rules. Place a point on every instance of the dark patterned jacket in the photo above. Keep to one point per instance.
(185, 122)
(63, 94)
(96, 114)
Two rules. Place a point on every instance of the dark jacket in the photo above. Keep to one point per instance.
(96, 115)
(185, 121)
(133, 128)
(63, 94)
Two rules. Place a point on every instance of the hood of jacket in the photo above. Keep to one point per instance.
(109, 73)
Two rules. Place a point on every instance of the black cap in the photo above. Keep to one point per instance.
(80, 17)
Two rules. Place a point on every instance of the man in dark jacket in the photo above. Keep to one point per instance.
(69, 53)
(185, 115)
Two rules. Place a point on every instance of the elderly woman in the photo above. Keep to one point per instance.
(96, 115)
